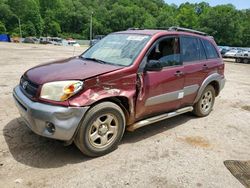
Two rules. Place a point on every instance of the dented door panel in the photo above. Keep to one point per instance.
(161, 91)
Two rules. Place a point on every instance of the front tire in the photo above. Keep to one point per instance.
(206, 102)
(101, 129)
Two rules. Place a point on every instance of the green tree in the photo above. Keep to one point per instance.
(51, 27)
(187, 16)
(7, 17)
(167, 17)
(245, 27)
(2, 28)
(27, 11)
(28, 29)
(222, 22)
(68, 18)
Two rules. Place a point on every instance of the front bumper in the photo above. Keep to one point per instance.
(38, 115)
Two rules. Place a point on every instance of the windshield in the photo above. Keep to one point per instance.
(117, 49)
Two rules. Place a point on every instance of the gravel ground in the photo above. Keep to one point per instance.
(184, 151)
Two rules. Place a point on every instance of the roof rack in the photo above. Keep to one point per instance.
(153, 28)
(175, 28)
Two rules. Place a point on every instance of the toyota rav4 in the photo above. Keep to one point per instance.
(127, 80)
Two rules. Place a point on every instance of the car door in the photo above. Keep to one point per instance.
(199, 60)
(160, 90)
(195, 66)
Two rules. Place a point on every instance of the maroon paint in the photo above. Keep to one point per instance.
(102, 81)
(68, 69)
(158, 83)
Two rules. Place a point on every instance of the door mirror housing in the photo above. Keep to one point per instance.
(153, 65)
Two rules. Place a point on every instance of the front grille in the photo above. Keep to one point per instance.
(29, 88)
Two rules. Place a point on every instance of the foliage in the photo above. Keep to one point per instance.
(71, 18)
(2, 28)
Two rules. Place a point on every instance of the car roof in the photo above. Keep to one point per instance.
(141, 31)
(152, 32)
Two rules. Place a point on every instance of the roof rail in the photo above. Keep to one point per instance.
(175, 28)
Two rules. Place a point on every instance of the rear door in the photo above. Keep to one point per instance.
(195, 67)
(200, 59)
(161, 91)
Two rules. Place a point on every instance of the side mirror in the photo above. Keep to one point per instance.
(153, 65)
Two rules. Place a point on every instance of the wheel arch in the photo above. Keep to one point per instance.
(216, 87)
(121, 101)
(214, 80)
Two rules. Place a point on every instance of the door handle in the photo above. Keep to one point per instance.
(178, 73)
(205, 67)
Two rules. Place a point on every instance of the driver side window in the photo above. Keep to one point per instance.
(167, 52)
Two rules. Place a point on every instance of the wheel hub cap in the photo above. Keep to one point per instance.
(207, 101)
(103, 129)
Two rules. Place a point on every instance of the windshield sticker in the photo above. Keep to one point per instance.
(135, 37)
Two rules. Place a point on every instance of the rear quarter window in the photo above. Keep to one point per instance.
(210, 50)
(192, 49)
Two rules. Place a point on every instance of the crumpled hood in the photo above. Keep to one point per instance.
(69, 69)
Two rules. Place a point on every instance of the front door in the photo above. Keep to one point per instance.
(161, 90)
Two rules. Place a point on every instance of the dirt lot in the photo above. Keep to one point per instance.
(180, 152)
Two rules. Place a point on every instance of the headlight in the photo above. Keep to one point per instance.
(61, 90)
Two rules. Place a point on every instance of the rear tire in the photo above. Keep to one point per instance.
(101, 129)
(206, 102)
(245, 61)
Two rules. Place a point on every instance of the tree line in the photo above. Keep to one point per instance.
(71, 18)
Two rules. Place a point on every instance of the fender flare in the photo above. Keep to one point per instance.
(213, 77)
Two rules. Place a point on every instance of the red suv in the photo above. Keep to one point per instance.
(127, 80)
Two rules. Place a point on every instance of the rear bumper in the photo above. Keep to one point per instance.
(222, 83)
(38, 115)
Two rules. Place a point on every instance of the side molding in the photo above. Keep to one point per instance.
(172, 96)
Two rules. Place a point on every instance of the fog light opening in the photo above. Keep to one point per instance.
(50, 127)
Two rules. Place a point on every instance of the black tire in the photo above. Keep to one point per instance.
(238, 60)
(95, 123)
(245, 61)
(200, 109)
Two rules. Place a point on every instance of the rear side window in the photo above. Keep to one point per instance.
(192, 49)
(210, 50)
(202, 51)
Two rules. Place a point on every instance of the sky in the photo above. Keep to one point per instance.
(239, 4)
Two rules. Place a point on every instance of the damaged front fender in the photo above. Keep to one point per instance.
(124, 87)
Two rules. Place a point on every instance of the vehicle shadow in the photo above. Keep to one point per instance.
(33, 150)
(30, 149)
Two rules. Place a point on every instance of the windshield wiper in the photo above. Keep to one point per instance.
(100, 61)
(94, 59)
